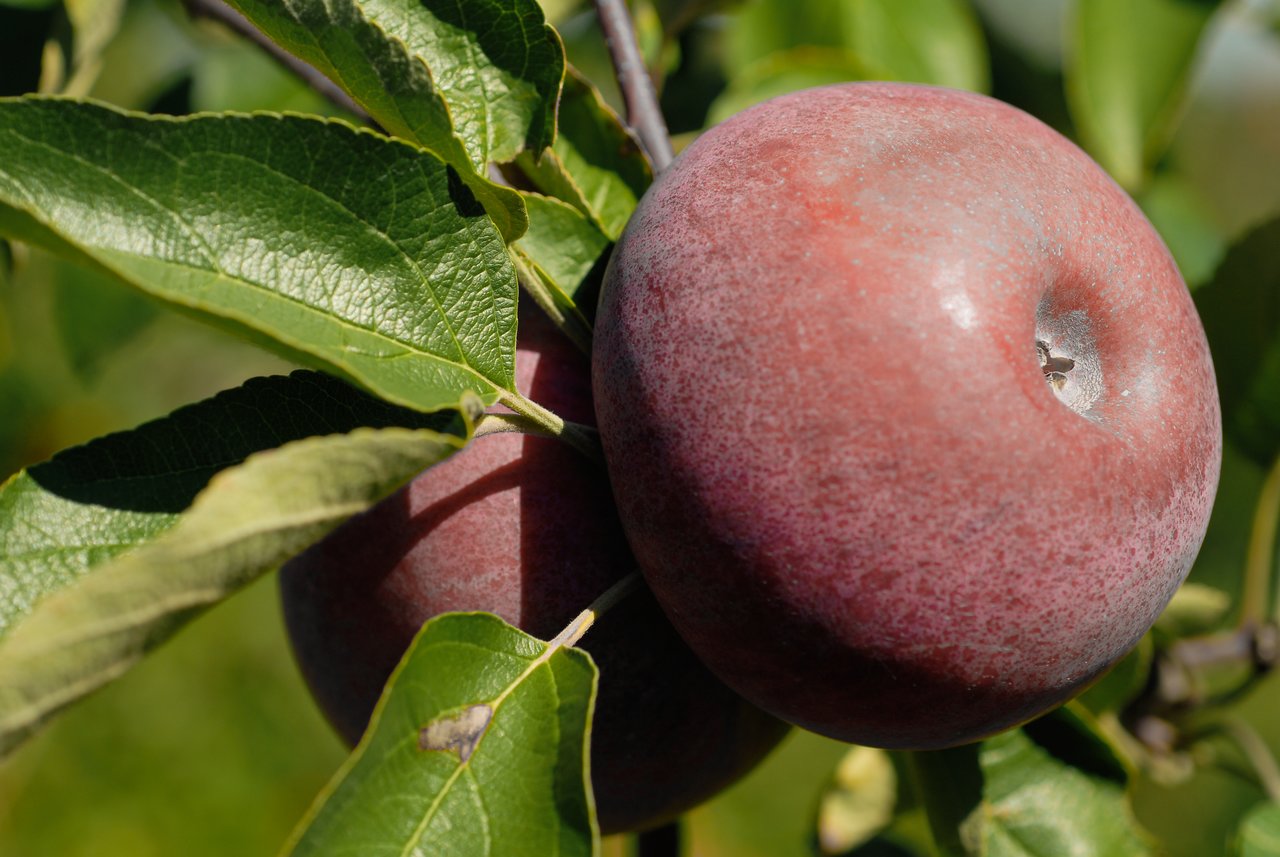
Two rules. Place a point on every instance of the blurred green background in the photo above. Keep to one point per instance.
(212, 745)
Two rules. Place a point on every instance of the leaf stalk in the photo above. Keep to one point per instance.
(532, 418)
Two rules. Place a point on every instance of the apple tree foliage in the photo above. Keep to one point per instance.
(381, 248)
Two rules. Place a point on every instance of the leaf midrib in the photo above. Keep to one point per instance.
(215, 269)
(541, 660)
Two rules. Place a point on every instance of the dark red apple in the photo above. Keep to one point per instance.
(910, 419)
(524, 527)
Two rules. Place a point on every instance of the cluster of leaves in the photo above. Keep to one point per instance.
(386, 248)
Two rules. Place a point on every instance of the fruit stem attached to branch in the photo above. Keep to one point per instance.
(643, 113)
(602, 605)
(532, 418)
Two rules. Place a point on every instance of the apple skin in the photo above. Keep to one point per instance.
(862, 492)
(524, 527)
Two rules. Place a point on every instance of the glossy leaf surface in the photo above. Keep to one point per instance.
(595, 165)
(477, 748)
(88, 504)
(363, 255)
(246, 520)
(389, 58)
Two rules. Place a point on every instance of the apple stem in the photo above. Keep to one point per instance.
(532, 418)
(568, 318)
(949, 783)
(644, 115)
(582, 623)
(1259, 567)
(216, 10)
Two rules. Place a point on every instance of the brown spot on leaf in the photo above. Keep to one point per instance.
(458, 733)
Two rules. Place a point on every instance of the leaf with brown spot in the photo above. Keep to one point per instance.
(478, 747)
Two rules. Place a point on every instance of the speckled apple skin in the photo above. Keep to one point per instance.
(830, 436)
(524, 527)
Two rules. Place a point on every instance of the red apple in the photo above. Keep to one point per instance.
(911, 422)
(524, 527)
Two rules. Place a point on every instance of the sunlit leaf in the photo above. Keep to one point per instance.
(1129, 63)
(84, 511)
(93, 24)
(1053, 789)
(596, 165)
(478, 747)
(562, 244)
(921, 41)
(1185, 222)
(1259, 834)
(860, 801)
(364, 256)
(761, 29)
(90, 503)
(788, 71)
(399, 60)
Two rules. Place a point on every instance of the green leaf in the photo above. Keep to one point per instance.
(860, 801)
(678, 15)
(89, 504)
(1195, 609)
(927, 41)
(561, 244)
(1052, 788)
(480, 77)
(390, 59)
(595, 165)
(365, 256)
(1240, 308)
(761, 29)
(787, 71)
(478, 747)
(1184, 220)
(922, 41)
(1128, 66)
(498, 61)
(240, 76)
(1259, 834)
(1123, 682)
(248, 520)
(96, 316)
(93, 24)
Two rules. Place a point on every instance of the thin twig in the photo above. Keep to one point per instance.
(581, 437)
(582, 623)
(216, 10)
(643, 113)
